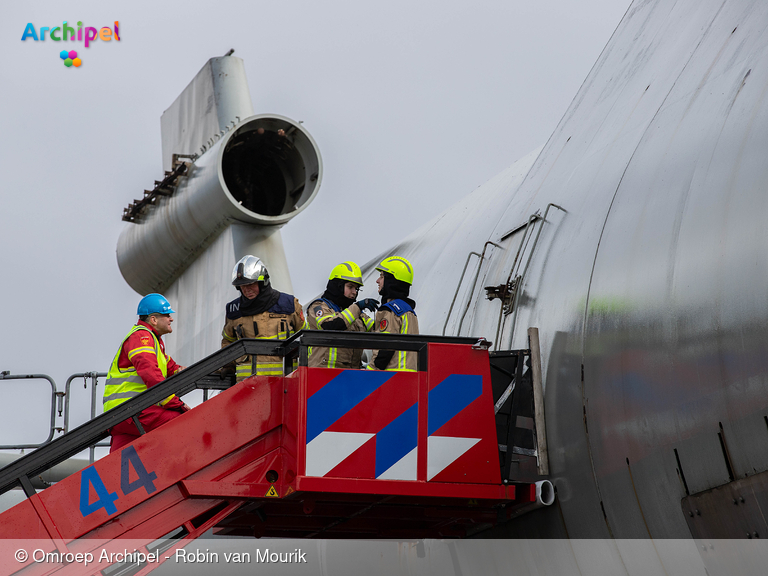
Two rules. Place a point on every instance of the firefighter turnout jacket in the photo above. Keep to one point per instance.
(280, 322)
(140, 363)
(323, 314)
(396, 317)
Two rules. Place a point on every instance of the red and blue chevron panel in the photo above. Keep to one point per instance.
(461, 431)
(433, 426)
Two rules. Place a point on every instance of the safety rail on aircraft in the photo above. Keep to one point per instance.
(199, 375)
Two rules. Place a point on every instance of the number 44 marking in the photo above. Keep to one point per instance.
(105, 499)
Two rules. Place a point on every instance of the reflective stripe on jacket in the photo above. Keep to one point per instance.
(125, 383)
(387, 322)
(355, 320)
(267, 325)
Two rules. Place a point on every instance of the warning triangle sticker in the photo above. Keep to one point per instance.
(272, 493)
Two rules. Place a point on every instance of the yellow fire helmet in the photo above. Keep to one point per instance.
(347, 271)
(399, 267)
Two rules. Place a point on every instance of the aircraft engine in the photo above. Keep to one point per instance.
(262, 172)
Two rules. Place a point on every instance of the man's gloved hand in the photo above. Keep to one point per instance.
(368, 304)
(225, 372)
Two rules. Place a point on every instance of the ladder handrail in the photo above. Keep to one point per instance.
(474, 283)
(525, 270)
(472, 289)
(458, 287)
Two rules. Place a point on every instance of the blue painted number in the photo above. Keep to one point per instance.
(145, 479)
(90, 477)
(104, 499)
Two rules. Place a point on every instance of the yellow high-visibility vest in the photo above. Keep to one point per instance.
(124, 384)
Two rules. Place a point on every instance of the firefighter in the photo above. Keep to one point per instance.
(140, 363)
(260, 312)
(336, 309)
(396, 314)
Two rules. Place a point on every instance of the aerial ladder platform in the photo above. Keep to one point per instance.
(315, 453)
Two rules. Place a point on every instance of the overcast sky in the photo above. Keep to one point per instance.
(413, 105)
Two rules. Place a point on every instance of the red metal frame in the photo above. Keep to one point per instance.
(239, 462)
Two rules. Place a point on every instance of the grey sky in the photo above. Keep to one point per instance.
(413, 105)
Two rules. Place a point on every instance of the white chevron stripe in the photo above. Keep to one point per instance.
(442, 451)
(329, 449)
(403, 469)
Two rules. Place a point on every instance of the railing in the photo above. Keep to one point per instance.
(55, 395)
(201, 375)
(471, 290)
(60, 402)
(94, 376)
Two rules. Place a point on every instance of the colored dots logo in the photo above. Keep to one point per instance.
(70, 58)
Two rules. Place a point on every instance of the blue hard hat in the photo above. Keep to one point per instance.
(154, 304)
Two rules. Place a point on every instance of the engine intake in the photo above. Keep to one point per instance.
(263, 172)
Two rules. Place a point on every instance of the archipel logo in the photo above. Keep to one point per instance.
(70, 58)
(68, 34)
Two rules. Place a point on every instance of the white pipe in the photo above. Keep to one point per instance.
(545, 493)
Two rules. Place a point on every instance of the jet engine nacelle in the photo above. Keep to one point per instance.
(263, 172)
